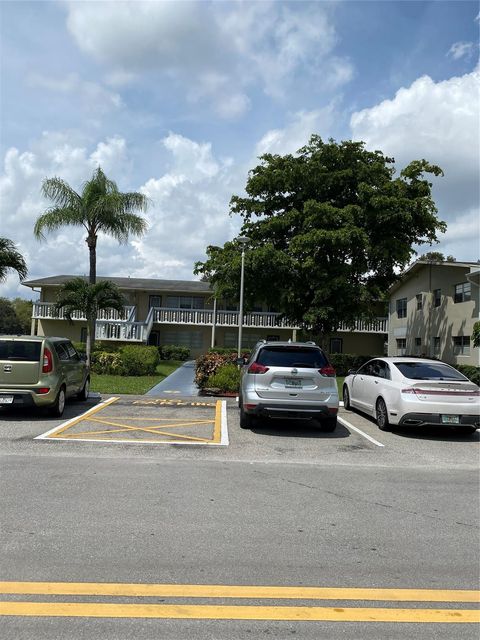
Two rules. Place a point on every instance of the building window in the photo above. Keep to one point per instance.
(402, 308)
(336, 345)
(154, 301)
(190, 339)
(419, 299)
(185, 302)
(461, 345)
(463, 292)
(437, 297)
(401, 346)
(436, 346)
(249, 340)
(418, 346)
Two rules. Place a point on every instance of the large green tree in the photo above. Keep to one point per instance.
(89, 299)
(11, 260)
(99, 208)
(9, 321)
(329, 228)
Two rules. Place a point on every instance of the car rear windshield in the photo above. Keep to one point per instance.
(428, 371)
(292, 357)
(20, 350)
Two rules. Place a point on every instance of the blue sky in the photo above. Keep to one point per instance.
(178, 99)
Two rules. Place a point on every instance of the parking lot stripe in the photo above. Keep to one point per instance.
(365, 435)
(237, 612)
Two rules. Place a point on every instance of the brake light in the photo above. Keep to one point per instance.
(47, 361)
(255, 367)
(327, 371)
(410, 391)
(43, 390)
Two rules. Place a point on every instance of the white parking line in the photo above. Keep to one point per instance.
(365, 435)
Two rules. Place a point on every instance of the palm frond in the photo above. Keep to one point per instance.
(11, 259)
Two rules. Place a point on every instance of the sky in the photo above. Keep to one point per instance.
(178, 100)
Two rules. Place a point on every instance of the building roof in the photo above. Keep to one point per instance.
(420, 264)
(143, 284)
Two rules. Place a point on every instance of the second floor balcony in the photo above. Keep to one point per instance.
(197, 317)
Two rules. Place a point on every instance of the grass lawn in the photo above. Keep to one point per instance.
(135, 385)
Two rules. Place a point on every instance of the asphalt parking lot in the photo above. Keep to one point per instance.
(195, 427)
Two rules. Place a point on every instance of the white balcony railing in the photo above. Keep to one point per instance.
(111, 326)
(47, 311)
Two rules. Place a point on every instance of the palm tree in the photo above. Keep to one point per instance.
(79, 295)
(100, 207)
(10, 258)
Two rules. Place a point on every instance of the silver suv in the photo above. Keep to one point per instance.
(41, 372)
(288, 380)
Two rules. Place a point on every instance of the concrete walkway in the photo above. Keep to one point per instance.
(180, 382)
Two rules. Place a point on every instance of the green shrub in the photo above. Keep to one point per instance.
(139, 360)
(343, 362)
(226, 378)
(174, 352)
(106, 363)
(472, 373)
(207, 365)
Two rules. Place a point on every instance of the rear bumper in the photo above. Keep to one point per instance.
(28, 398)
(285, 411)
(420, 419)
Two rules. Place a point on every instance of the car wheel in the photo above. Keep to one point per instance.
(59, 405)
(346, 397)
(83, 394)
(246, 419)
(329, 424)
(382, 415)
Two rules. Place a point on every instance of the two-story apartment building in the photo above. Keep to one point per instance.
(433, 309)
(184, 312)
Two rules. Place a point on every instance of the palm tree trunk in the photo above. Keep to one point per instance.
(92, 248)
(89, 342)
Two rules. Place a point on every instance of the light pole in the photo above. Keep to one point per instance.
(243, 241)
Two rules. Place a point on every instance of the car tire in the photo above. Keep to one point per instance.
(329, 424)
(346, 398)
(381, 415)
(58, 406)
(83, 394)
(246, 419)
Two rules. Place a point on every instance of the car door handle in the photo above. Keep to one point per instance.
(376, 381)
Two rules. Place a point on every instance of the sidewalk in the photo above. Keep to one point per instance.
(180, 382)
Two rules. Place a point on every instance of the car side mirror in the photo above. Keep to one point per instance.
(240, 362)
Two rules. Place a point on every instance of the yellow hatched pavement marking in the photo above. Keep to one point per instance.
(155, 429)
(221, 612)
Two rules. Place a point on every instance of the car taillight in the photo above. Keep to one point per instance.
(255, 367)
(43, 390)
(410, 391)
(327, 371)
(47, 361)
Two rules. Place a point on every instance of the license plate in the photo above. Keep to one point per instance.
(450, 420)
(6, 399)
(293, 382)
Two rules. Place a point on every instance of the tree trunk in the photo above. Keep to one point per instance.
(89, 343)
(92, 248)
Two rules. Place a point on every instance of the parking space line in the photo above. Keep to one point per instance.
(365, 435)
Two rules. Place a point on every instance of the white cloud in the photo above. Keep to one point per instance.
(461, 49)
(439, 122)
(297, 133)
(189, 208)
(93, 96)
(218, 52)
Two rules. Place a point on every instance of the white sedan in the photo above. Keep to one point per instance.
(413, 392)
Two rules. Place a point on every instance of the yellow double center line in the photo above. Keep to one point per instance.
(237, 612)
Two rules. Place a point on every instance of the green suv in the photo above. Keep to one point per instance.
(36, 371)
